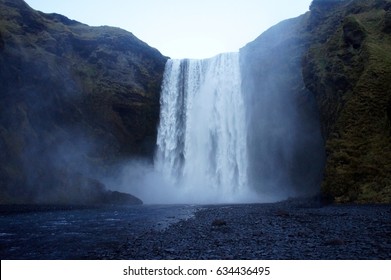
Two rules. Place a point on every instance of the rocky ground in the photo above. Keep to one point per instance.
(286, 230)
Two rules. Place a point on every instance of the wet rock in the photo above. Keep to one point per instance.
(282, 213)
(335, 242)
(170, 250)
(114, 197)
(219, 223)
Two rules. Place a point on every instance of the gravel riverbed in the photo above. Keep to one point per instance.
(286, 230)
(295, 229)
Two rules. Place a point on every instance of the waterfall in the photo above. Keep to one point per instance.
(202, 137)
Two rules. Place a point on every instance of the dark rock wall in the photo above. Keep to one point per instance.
(74, 100)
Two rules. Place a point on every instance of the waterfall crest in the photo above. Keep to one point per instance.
(202, 137)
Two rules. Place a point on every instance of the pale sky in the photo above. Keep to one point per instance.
(182, 28)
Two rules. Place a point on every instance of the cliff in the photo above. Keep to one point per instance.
(74, 100)
(329, 68)
(348, 69)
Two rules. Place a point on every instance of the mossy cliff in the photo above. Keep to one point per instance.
(74, 100)
(330, 67)
(348, 69)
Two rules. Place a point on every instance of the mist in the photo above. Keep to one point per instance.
(285, 144)
(140, 178)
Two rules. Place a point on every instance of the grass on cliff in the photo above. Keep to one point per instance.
(359, 148)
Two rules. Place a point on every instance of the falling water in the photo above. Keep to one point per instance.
(201, 144)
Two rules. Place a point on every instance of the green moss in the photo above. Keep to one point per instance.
(352, 84)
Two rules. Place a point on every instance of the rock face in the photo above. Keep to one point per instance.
(74, 100)
(348, 69)
(333, 65)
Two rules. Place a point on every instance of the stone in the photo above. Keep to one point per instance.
(219, 223)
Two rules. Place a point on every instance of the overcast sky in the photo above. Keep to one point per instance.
(182, 28)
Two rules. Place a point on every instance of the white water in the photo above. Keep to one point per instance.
(201, 144)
